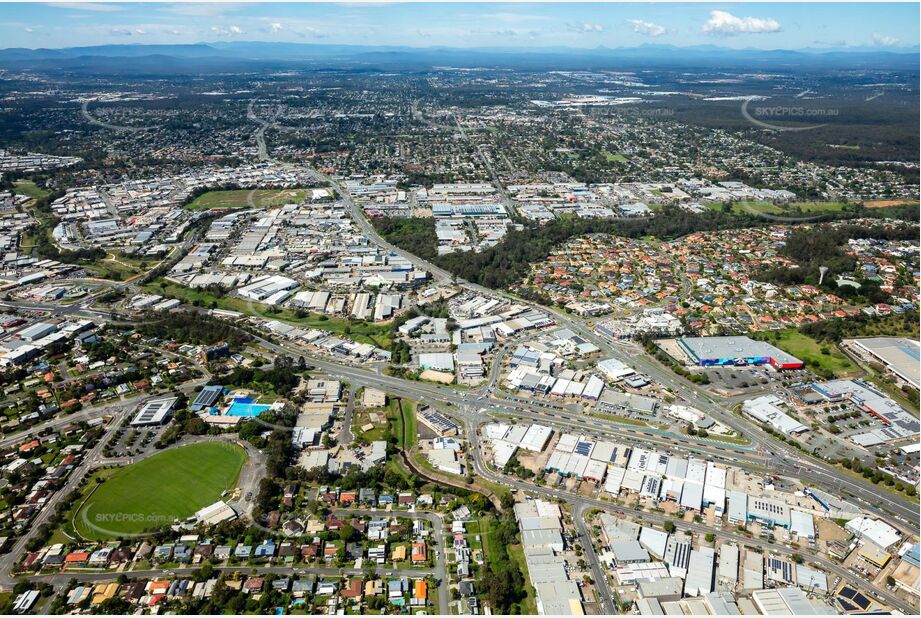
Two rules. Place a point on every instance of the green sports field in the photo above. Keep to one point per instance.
(240, 198)
(153, 492)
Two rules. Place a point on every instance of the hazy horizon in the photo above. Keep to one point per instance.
(760, 26)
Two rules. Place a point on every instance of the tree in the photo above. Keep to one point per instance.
(347, 533)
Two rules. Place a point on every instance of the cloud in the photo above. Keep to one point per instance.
(505, 33)
(28, 29)
(727, 24)
(140, 31)
(884, 41)
(586, 28)
(312, 33)
(646, 28)
(121, 32)
(86, 6)
(276, 27)
(229, 31)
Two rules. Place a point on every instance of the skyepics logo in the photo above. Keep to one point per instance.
(767, 116)
(112, 524)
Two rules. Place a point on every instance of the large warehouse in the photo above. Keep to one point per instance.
(716, 351)
(898, 354)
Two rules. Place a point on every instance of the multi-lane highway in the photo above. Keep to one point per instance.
(474, 406)
(581, 503)
(785, 459)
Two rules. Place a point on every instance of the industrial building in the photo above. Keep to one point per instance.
(735, 351)
(766, 410)
(541, 540)
(898, 355)
(787, 601)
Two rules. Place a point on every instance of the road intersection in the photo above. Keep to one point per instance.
(489, 402)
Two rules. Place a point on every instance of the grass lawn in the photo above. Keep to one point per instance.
(623, 420)
(27, 187)
(487, 536)
(121, 268)
(360, 331)
(155, 491)
(613, 157)
(472, 528)
(741, 440)
(493, 551)
(379, 432)
(529, 602)
(238, 198)
(788, 209)
(403, 415)
(809, 351)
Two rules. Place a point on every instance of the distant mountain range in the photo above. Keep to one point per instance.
(224, 56)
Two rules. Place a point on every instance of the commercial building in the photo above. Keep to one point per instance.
(216, 513)
(207, 397)
(700, 572)
(616, 402)
(898, 354)
(271, 288)
(154, 412)
(437, 361)
(541, 541)
(768, 512)
(874, 530)
(788, 601)
(727, 571)
(900, 423)
(437, 422)
(37, 331)
(663, 590)
(737, 351)
(802, 524)
(765, 409)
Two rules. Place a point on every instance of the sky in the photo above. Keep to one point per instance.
(587, 25)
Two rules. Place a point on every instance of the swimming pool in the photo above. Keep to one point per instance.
(239, 407)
